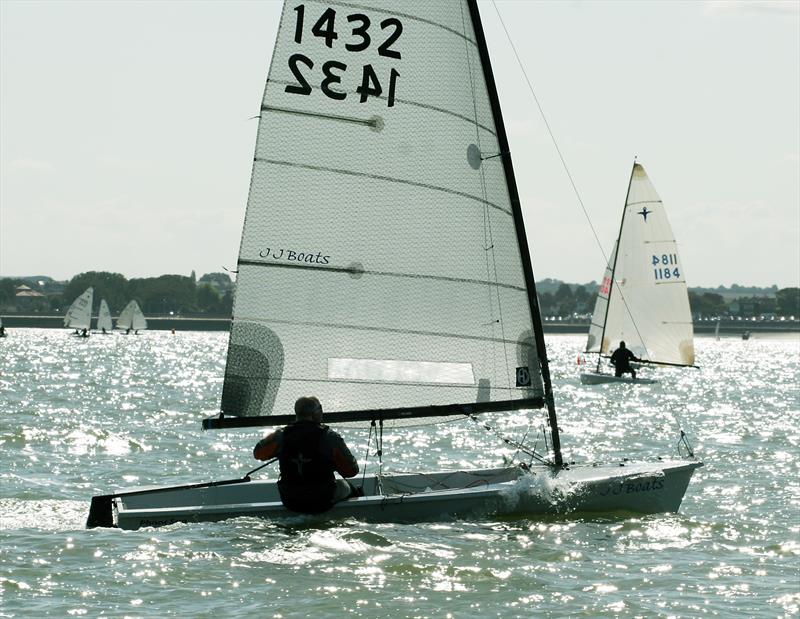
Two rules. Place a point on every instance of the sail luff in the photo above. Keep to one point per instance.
(511, 183)
(612, 285)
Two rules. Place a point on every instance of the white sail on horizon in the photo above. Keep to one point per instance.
(79, 314)
(132, 318)
(646, 303)
(104, 317)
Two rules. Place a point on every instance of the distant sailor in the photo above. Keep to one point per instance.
(309, 452)
(621, 360)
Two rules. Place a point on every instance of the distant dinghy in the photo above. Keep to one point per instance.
(79, 314)
(104, 324)
(643, 299)
(132, 318)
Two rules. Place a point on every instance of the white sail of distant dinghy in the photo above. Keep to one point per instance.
(131, 318)
(104, 324)
(716, 330)
(384, 267)
(643, 299)
(79, 314)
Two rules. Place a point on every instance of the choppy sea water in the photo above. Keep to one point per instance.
(80, 417)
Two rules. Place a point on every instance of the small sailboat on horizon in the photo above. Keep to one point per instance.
(79, 314)
(104, 324)
(643, 299)
(132, 319)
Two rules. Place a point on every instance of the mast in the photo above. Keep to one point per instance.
(614, 265)
(519, 225)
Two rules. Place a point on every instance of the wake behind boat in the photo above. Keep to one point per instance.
(384, 267)
(643, 299)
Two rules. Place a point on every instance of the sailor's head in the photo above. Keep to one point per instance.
(308, 408)
(622, 344)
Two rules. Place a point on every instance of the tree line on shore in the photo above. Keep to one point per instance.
(212, 295)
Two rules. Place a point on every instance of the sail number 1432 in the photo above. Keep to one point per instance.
(665, 266)
(356, 37)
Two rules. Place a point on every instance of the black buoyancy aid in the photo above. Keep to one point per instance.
(307, 481)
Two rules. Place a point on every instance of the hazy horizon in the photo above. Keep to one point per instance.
(126, 131)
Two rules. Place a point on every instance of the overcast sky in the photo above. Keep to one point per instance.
(126, 144)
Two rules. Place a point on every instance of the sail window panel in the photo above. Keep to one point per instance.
(421, 147)
(272, 385)
(364, 226)
(401, 371)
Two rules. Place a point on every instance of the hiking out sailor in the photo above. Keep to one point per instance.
(308, 453)
(621, 360)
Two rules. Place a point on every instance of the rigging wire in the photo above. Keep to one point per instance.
(511, 442)
(564, 165)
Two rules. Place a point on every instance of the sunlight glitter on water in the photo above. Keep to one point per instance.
(79, 418)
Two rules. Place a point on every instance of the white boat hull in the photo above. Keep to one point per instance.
(514, 491)
(598, 378)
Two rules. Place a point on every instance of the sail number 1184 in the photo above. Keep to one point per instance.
(665, 266)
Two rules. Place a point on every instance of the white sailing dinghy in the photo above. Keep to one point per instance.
(132, 318)
(643, 299)
(79, 314)
(104, 324)
(384, 268)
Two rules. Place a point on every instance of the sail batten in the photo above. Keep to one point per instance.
(388, 179)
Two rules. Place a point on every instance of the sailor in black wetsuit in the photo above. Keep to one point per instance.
(621, 360)
(308, 453)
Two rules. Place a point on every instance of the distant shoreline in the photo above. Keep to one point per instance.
(167, 323)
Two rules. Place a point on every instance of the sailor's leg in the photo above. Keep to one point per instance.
(342, 491)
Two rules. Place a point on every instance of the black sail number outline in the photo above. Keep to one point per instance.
(361, 31)
(383, 49)
(304, 88)
(330, 78)
(325, 28)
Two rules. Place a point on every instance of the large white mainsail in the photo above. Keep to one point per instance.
(104, 317)
(643, 299)
(132, 318)
(380, 266)
(79, 314)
